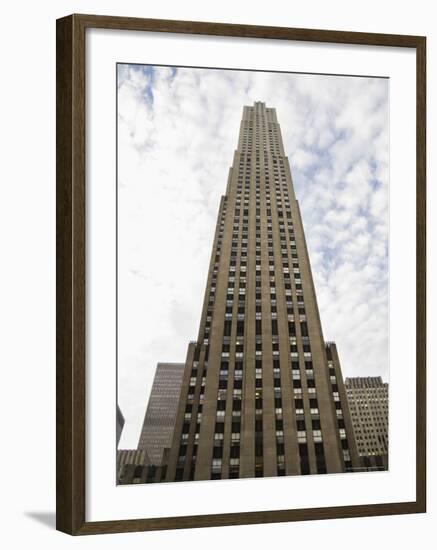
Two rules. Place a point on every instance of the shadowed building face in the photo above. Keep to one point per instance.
(160, 417)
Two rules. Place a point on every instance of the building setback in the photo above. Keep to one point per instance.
(368, 405)
(259, 396)
(160, 417)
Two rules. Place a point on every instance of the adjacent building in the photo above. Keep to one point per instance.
(160, 417)
(130, 464)
(134, 466)
(262, 393)
(119, 423)
(368, 404)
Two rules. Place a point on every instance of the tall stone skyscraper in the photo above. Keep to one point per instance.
(258, 396)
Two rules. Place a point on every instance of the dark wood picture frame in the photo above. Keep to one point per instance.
(70, 257)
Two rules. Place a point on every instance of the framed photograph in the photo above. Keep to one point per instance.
(240, 274)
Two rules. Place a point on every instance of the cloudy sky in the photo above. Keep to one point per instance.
(177, 132)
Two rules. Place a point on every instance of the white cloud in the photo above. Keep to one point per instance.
(303, 159)
(177, 135)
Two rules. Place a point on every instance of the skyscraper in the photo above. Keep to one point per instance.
(259, 396)
(368, 404)
(160, 417)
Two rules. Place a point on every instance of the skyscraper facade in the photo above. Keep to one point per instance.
(259, 395)
(159, 420)
(368, 405)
